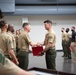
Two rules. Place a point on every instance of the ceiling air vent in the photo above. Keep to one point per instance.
(48, 0)
(7, 5)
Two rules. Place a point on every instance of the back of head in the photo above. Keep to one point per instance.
(25, 24)
(48, 21)
(73, 27)
(2, 23)
(67, 29)
(10, 28)
(63, 28)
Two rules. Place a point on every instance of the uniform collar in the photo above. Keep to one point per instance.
(3, 32)
(50, 30)
(9, 32)
(25, 32)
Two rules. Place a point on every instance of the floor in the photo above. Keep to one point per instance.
(62, 64)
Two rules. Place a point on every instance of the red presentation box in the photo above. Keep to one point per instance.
(70, 48)
(37, 50)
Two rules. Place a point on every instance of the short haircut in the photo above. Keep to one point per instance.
(73, 27)
(2, 23)
(9, 27)
(67, 29)
(63, 28)
(25, 24)
(48, 21)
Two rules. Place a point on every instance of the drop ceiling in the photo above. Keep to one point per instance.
(45, 1)
(44, 7)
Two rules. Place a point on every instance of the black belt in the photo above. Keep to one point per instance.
(52, 47)
(8, 57)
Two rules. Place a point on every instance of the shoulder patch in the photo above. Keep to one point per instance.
(9, 42)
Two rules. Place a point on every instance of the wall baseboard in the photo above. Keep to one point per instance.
(59, 50)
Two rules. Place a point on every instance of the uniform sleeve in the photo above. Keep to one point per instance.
(9, 68)
(45, 39)
(10, 43)
(27, 38)
(70, 35)
(51, 37)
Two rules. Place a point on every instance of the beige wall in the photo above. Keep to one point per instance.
(37, 28)
(38, 20)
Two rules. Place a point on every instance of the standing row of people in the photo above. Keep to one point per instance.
(12, 45)
(73, 44)
(7, 51)
(7, 41)
(49, 43)
(68, 42)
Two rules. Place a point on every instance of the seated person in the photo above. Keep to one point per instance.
(9, 68)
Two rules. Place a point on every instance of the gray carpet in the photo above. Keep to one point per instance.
(62, 64)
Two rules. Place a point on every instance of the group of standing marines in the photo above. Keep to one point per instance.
(69, 43)
(16, 48)
(49, 43)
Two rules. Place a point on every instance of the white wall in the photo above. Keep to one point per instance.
(37, 27)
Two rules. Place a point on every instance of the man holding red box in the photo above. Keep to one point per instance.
(49, 43)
